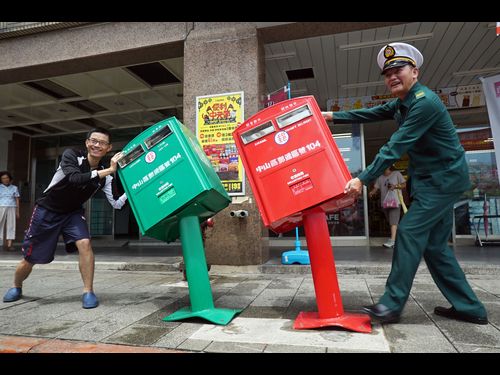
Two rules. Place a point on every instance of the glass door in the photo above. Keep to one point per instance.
(351, 220)
(478, 213)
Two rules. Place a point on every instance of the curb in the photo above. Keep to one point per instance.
(342, 269)
(22, 344)
(115, 266)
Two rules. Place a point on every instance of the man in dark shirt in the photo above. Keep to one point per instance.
(438, 176)
(60, 211)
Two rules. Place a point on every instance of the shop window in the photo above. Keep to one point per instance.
(476, 212)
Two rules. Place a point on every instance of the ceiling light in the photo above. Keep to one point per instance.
(476, 72)
(363, 85)
(375, 43)
(342, 135)
(280, 56)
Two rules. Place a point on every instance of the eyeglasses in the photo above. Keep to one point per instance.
(96, 142)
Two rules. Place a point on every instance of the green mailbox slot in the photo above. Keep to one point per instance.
(166, 175)
(172, 187)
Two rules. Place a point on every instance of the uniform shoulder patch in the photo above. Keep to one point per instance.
(419, 94)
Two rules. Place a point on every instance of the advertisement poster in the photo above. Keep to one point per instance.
(216, 118)
(491, 87)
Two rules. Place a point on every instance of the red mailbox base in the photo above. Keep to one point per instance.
(354, 322)
(326, 286)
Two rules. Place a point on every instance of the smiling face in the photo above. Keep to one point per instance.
(399, 80)
(98, 145)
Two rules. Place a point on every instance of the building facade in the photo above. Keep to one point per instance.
(59, 79)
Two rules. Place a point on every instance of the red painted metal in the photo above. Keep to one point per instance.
(292, 162)
(297, 175)
(330, 309)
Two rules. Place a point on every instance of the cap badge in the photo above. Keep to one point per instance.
(389, 52)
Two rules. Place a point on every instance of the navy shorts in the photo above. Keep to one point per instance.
(40, 240)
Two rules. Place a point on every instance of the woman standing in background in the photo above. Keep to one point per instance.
(9, 209)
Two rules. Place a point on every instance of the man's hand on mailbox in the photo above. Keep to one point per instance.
(328, 116)
(354, 187)
(113, 164)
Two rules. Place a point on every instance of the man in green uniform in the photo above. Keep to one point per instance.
(438, 176)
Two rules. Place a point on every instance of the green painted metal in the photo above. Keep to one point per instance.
(166, 171)
(200, 292)
(172, 187)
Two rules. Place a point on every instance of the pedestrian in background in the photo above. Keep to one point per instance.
(391, 181)
(438, 175)
(9, 210)
(59, 211)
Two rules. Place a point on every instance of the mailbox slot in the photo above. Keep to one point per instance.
(294, 116)
(131, 156)
(158, 137)
(257, 132)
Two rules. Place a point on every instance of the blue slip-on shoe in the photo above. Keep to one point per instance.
(13, 294)
(89, 300)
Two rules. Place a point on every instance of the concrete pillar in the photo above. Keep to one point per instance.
(220, 58)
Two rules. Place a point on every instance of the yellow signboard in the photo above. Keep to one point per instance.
(216, 118)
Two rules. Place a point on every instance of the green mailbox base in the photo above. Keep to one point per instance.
(214, 315)
(200, 293)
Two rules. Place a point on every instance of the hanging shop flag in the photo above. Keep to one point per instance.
(277, 96)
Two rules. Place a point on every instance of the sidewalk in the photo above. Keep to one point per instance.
(133, 303)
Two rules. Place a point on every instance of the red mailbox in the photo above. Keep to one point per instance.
(292, 162)
(298, 175)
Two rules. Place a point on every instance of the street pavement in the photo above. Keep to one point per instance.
(138, 287)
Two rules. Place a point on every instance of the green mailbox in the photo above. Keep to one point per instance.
(166, 175)
(172, 187)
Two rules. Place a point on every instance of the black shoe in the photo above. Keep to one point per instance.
(382, 313)
(451, 313)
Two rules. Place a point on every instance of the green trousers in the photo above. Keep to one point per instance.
(424, 231)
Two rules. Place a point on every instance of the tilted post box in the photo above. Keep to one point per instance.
(297, 175)
(172, 187)
(292, 162)
(166, 175)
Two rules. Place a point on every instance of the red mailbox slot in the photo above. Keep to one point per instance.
(292, 162)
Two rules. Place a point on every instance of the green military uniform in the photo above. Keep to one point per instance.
(438, 176)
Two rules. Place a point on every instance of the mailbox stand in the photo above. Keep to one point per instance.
(330, 309)
(297, 175)
(171, 187)
(200, 293)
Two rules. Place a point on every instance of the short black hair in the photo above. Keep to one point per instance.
(99, 130)
(5, 173)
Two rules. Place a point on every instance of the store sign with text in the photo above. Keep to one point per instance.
(453, 98)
